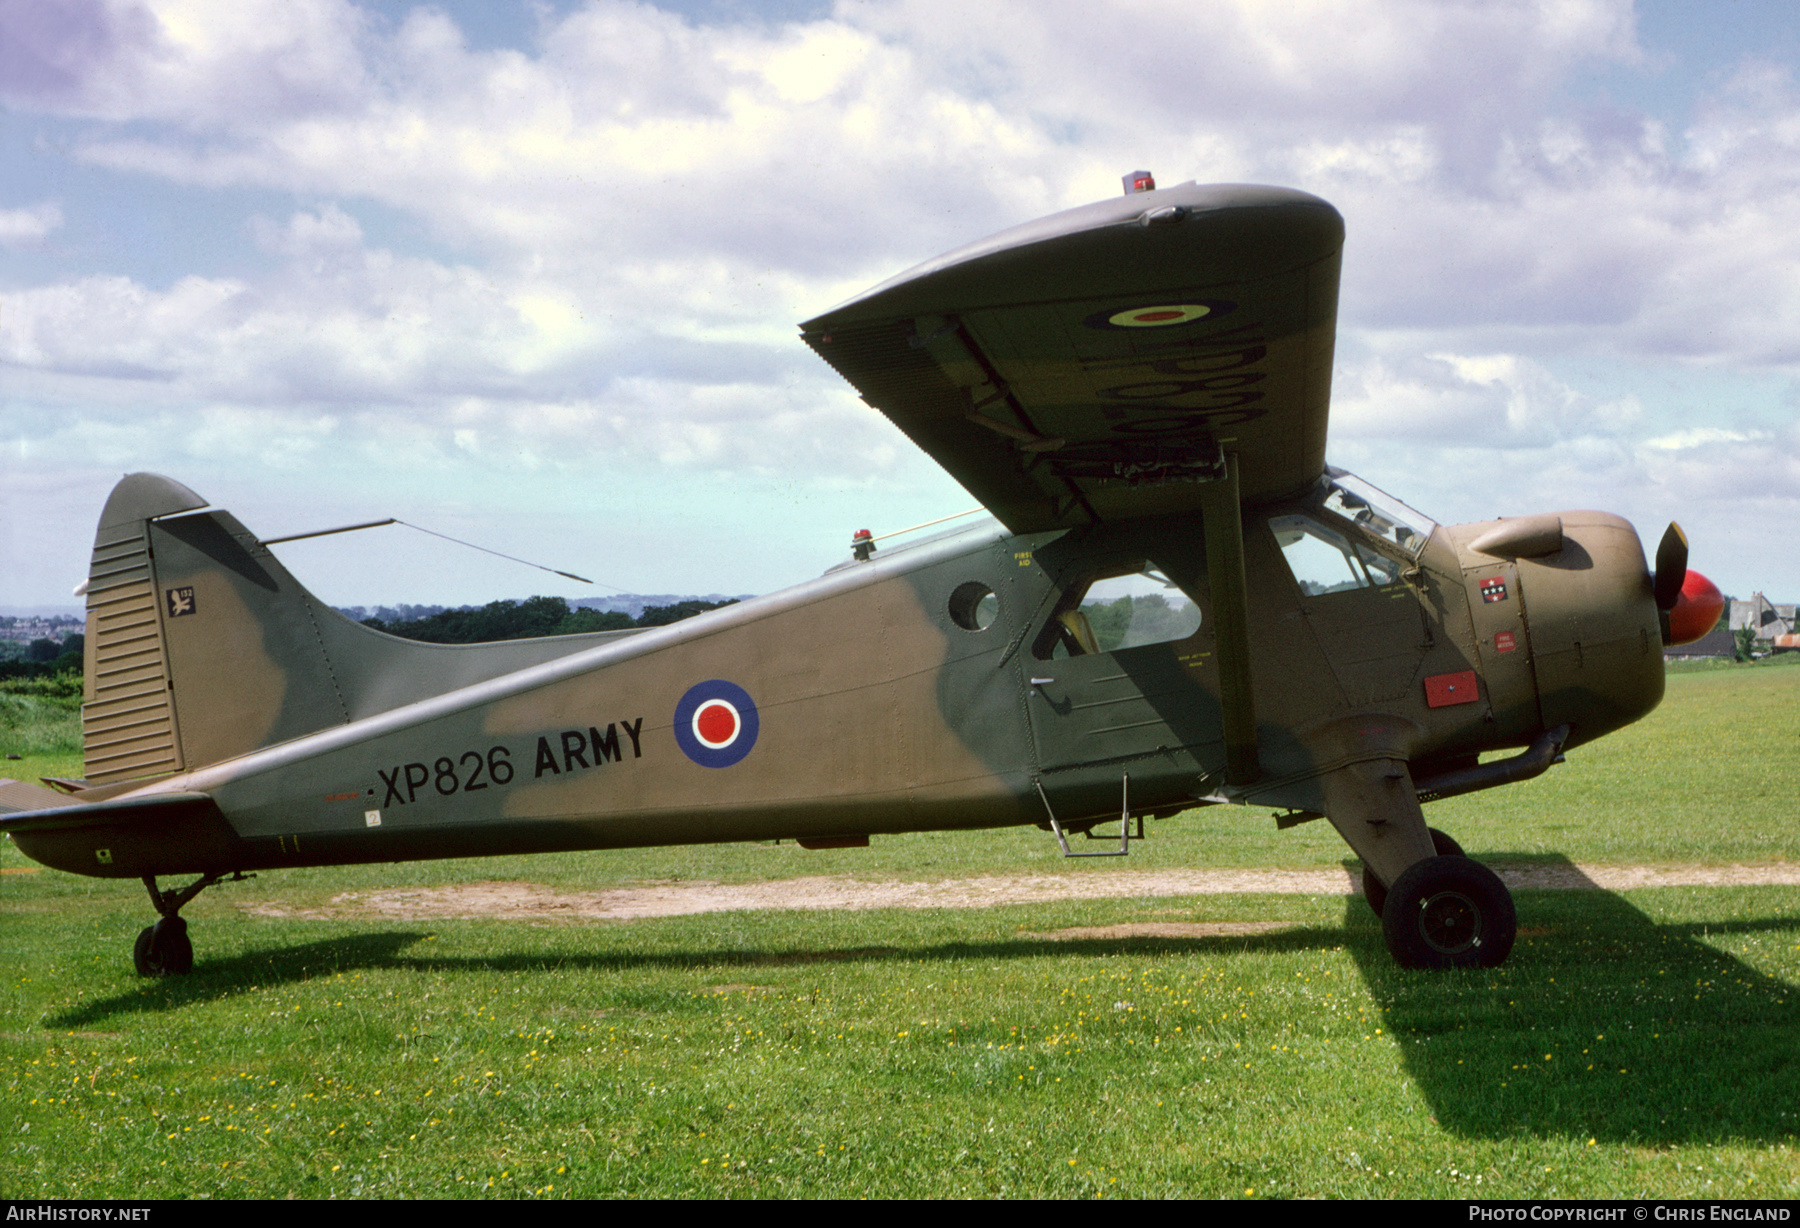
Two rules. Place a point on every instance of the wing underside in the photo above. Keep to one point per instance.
(1100, 364)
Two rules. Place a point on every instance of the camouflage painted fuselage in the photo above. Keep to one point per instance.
(862, 704)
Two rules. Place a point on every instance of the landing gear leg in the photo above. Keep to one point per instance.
(164, 949)
(1440, 910)
(1376, 894)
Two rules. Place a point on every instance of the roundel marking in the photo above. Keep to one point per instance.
(1157, 315)
(716, 723)
(1153, 316)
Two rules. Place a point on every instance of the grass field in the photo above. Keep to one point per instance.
(1637, 1043)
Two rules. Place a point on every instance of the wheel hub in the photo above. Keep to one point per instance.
(1450, 922)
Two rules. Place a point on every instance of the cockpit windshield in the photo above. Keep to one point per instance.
(1376, 512)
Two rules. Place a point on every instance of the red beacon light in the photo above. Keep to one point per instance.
(1138, 181)
(862, 545)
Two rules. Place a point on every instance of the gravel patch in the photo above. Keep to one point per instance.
(532, 901)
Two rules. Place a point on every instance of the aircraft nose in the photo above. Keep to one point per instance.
(1596, 639)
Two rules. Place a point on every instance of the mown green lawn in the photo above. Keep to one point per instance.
(1637, 1043)
(40, 722)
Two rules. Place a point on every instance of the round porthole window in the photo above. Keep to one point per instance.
(974, 606)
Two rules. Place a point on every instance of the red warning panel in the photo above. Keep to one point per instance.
(1446, 690)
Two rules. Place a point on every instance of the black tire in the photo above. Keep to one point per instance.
(1449, 912)
(164, 949)
(1377, 895)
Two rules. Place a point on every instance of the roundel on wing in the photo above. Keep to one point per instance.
(1158, 315)
(716, 723)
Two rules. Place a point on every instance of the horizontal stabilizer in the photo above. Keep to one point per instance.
(65, 813)
(18, 795)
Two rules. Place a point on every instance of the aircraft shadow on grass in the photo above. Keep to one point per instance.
(226, 977)
(220, 977)
(1603, 1025)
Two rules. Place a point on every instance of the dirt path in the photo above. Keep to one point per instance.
(528, 901)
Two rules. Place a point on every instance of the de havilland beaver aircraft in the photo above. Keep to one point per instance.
(1176, 603)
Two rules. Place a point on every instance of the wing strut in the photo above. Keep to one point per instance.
(1224, 527)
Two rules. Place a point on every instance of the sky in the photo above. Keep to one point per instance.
(529, 274)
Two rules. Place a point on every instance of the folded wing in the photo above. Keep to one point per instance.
(1098, 364)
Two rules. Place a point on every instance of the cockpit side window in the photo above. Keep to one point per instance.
(1325, 561)
(1125, 606)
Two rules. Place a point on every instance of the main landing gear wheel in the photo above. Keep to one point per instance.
(1449, 912)
(164, 949)
(1377, 895)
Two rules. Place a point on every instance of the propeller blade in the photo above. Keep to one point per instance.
(1671, 567)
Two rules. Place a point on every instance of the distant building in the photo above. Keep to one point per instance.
(1763, 617)
(1772, 624)
(24, 630)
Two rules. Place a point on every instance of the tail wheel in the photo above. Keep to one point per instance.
(1449, 912)
(164, 949)
(1377, 895)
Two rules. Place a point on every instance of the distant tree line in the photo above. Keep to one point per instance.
(402, 613)
(41, 658)
(498, 620)
(533, 617)
(1146, 618)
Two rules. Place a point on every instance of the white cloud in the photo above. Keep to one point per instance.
(591, 252)
(356, 350)
(1505, 401)
(29, 226)
(329, 231)
(190, 61)
(846, 148)
(1701, 436)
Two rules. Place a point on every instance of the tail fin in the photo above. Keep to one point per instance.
(127, 713)
(202, 647)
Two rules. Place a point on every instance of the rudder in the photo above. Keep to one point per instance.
(127, 711)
